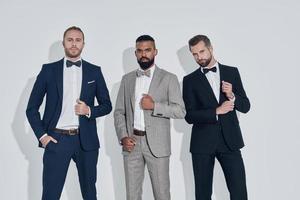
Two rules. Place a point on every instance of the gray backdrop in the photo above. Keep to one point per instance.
(259, 37)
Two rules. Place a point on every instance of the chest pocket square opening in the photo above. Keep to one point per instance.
(91, 81)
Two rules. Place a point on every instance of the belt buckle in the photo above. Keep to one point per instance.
(70, 131)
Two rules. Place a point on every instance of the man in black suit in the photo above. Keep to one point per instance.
(212, 95)
(68, 129)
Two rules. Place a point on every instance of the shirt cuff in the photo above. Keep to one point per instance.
(233, 98)
(89, 115)
(43, 136)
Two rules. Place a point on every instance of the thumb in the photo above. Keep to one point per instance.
(79, 101)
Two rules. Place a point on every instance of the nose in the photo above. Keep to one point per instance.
(143, 54)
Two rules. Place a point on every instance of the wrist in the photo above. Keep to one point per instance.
(231, 96)
(217, 111)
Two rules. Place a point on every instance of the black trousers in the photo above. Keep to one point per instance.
(232, 165)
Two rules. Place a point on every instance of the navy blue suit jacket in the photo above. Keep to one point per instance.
(49, 83)
(201, 104)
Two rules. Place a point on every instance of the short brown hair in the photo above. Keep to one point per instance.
(198, 38)
(76, 28)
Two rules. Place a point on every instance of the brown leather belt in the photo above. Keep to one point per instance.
(74, 131)
(139, 133)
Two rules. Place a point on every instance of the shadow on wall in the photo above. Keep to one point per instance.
(188, 65)
(28, 144)
(220, 192)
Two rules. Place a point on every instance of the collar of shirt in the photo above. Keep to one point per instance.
(65, 61)
(152, 69)
(215, 65)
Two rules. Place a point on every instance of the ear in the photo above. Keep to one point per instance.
(156, 52)
(135, 53)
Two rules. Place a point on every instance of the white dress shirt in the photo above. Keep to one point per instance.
(214, 80)
(72, 79)
(142, 86)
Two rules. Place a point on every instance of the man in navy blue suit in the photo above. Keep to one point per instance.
(212, 95)
(68, 129)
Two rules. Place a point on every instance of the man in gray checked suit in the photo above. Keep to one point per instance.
(147, 99)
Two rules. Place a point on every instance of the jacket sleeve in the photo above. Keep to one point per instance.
(35, 100)
(174, 108)
(120, 113)
(241, 102)
(104, 104)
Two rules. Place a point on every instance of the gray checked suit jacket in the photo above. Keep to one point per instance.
(165, 91)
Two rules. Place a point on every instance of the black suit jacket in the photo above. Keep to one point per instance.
(49, 83)
(201, 104)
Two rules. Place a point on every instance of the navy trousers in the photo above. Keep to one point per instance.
(56, 160)
(232, 165)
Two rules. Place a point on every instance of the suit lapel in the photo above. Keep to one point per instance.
(222, 97)
(157, 75)
(84, 80)
(131, 83)
(59, 74)
(206, 85)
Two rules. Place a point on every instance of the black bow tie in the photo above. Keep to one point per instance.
(213, 69)
(70, 63)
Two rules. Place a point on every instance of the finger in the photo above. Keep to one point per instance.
(142, 99)
(131, 148)
(43, 143)
(76, 108)
(132, 140)
(127, 146)
(53, 140)
(126, 149)
(146, 96)
(225, 86)
(127, 142)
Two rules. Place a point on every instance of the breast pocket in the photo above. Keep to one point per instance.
(91, 88)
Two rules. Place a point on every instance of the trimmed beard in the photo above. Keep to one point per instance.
(70, 55)
(205, 63)
(146, 65)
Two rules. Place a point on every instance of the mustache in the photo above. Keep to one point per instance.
(144, 58)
